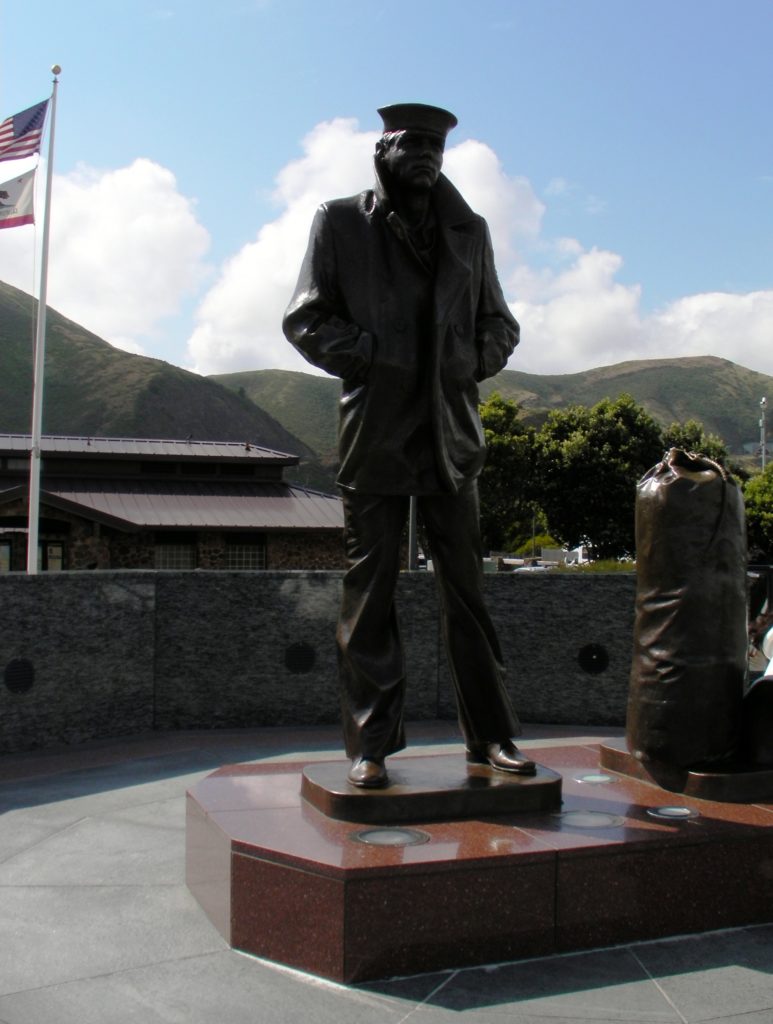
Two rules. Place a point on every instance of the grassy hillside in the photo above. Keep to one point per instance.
(720, 394)
(305, 403)
(92, 388)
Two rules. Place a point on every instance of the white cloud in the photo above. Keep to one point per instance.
(581, 317)
(125, 249)
(574, 312)
(239, 320)
(577, 317)
(509, 204)
(736, 327)
(558, 187)
(568, 193)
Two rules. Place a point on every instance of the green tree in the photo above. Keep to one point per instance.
(690, 436)
(758, 496)
(506, 484)
(588, 464)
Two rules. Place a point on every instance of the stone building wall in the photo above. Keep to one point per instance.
(88, 545)
(85, 655)
(211, 549)
(305, 550)
(129, 550)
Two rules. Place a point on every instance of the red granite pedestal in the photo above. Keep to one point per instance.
(282, 880)
(735, 783)
(429, 789)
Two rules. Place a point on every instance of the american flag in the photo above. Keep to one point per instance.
(20, 135)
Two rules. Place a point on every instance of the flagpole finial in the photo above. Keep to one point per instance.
(56, 69)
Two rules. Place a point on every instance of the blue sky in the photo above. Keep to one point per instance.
(621, 152)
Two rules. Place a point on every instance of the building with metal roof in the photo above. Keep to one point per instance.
(164, 504)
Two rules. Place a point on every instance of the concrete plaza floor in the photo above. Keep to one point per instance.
(98, 927)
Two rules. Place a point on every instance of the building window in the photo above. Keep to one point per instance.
(51, 556)
(174, 556)
(245, 553)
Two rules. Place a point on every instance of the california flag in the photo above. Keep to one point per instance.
(16, 198)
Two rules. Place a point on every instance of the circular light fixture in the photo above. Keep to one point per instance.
(590, 819)
(390, 837)
(673, 813)
(595, 778)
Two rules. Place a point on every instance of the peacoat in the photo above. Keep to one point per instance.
(410, 338)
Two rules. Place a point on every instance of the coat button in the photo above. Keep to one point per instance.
(458, 330)
(400, 326)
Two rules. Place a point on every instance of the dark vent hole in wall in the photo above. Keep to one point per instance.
(593, 658)
(300, 658)
(19, 675)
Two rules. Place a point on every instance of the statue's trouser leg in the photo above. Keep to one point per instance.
(485, 712)
(370, 654)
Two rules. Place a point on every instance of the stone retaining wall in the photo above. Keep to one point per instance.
(85, 655)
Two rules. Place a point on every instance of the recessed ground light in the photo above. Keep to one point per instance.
(673, 813)
(590, 819)
(390, 837)
(595, 778)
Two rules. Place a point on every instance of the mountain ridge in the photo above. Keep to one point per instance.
(720, 394)
(92, 388)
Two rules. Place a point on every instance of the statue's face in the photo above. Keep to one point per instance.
(414, 159)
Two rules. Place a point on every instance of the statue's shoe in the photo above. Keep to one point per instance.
(505, 757)
(368, 773)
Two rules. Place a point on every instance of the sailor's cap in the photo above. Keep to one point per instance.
(417, 117)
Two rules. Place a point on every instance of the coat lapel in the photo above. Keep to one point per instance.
(456, 249)
(454, 269)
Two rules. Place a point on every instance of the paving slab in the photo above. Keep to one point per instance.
(96, 926)
(141, 845)
(107, 786)
(52, 934)
(721, 975)
(608, 985)
(220, 987)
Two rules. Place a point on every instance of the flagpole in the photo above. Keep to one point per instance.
(40, 356)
